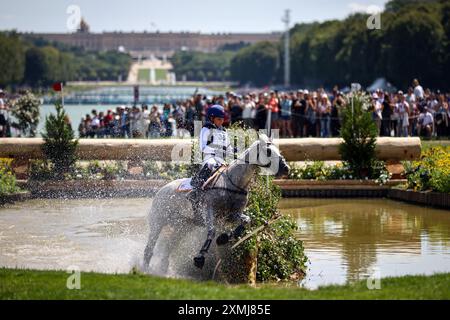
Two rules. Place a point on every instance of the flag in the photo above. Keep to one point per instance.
(57, 86)
(136, 94)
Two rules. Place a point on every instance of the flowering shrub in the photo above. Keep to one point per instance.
(26, 111)
(7, 178)
(42, 170)
(432, 172)
(280, 255)
(169, 171)
(317, 170)
(95, 170)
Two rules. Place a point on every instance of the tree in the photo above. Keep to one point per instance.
(12, 59)
(359, 53)
(53, 70)
(397, 5)
(414, 48)
(446, 26)
(59, 144)
(195, 65)
(359, 133)
(257, 63)
(47, 64)
(35, 66)
(413, 43)
(314, 49)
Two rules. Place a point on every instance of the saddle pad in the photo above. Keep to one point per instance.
(185, 186)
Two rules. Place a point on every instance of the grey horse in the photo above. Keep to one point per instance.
(222, 205)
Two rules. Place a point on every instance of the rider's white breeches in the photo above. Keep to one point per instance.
(212, 162)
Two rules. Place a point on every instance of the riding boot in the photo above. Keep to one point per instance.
(197, 183)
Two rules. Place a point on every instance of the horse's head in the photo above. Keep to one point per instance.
(269, 157)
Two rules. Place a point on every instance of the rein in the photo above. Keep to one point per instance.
(240, 190)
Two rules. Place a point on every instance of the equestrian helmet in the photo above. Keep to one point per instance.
(216, 111)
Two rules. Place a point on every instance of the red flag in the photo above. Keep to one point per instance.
(57, 86)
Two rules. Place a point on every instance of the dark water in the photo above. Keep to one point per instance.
(345, 240)
(348, 240)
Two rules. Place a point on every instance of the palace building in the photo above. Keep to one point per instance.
(153, 43)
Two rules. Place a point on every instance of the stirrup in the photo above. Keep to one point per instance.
(200, 178)
(192, 196)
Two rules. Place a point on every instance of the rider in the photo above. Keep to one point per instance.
(214, 146)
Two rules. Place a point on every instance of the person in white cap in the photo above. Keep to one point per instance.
(324, 108)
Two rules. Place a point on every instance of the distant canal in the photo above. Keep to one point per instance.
(78, 104)
(75, 113)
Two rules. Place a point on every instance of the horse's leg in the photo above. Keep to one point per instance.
(172, 260)
(166, 246)
(199, 260)
(244, 220)
(153, 235)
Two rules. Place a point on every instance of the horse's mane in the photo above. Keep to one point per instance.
(241, 159)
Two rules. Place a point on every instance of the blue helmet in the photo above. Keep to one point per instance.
(216, 111)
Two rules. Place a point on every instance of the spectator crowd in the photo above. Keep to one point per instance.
(416, 112)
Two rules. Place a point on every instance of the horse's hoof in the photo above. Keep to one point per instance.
(239, 231)
(223, 239)
(199, 261)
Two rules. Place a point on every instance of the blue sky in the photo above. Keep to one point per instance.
(204, 16)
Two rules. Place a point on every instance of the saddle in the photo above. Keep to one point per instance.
(186, 187)
(214, 177)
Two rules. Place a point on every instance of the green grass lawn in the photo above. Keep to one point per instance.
(144, 75)
(160, 74)
(30, 284)
(426, 144)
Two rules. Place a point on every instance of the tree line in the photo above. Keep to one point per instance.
(413, 42)
(36, 62)
(202, 66)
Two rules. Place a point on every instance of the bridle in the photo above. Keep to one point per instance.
(240, 190)
(268, 165)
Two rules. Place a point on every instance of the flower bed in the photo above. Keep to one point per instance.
(7, 178)
(431, 173)
(318, 171)
(41, 170)
(9, 191)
